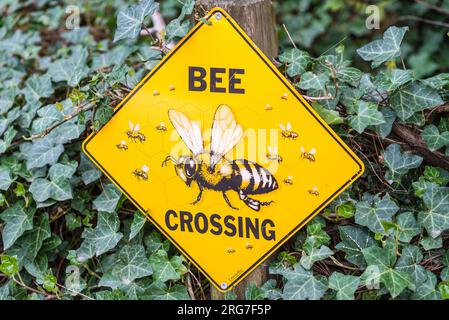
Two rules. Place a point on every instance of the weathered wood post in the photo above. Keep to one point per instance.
(256, 17)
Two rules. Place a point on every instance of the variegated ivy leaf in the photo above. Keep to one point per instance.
(398, 162)
(5, 178)
(31, 242)
(72, 70)
(177, 29)
(105, 235)
(412, 98)
(129, 21)
(310, 80)
(313, 255)
(438, 81)
(390, 81)
(436, 218)
(428, 289)
(131, 264)
(434, 138)
(386, 49)
(373, 211)
(407, 226)
(384, 129)
(160, 291)
(7, 98)
(345, 285)
(18, 219)
(429, 243)
(138, 222)
(408, 262)
(302, 284)
(165, 268)
(296, 60)
(349, 75)
(50, 114)
(37, 87)
(353, 241)
(108, 199)
(366, 115)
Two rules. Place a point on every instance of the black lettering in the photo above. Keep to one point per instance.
(254, 228)
(240, 224)
(214, 79)
(268, 234)
(193, 79)
(185, 218)
(230, 226)
(205, 223)
(233, 80)
(170, 226)
(214, 222)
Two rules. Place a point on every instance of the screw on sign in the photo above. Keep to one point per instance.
(222, 176)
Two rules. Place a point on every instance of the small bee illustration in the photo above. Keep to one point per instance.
(161, 127)
(314, 191)
(134, 133)
(273, 154)
(284, 96)
(268, 107)
(171, 87)
(155, 92)
(230, 250)
(142, 173)
(288, 180)
(308, 155)
(249, 246)
(287, 132)
(122, 145)
(210, 169)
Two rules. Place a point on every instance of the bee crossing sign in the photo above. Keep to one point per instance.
(221, 153)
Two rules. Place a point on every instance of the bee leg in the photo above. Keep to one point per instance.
(169, 158)
(198, 198)
(228, 202)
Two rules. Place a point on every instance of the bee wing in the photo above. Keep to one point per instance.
(302, 149)
(282, 126)
(289, 126)
(123, 142)
(290, 177)
(312, 151)
(188, 130)
(131, 125)
(315, 188)
(226, 133)
(145, 168)
(270, 150)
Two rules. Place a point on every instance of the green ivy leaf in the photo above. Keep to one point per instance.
(386, 49)
(165, 269)
(433, 138)
(408, 227)
(108, 199)
(427, 290)
(353, 241)
(345, 285)
(105, 236)
(41, 152)
(408, 262)
(310, 80)
(296, 60)
(138, 222)
(72, 70)
(399, 163)
(6, 178)
(160, 291)
(366, 115)
(315, 254)
(302, 285)
(372, 212)
(331, 117)
(37, 87)
(18, 219)
(177, 29)
(32, 240)
(436, 218)
(9, 265)
(390, 81)
(412, 98)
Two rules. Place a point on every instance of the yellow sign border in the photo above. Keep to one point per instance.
(300, 99)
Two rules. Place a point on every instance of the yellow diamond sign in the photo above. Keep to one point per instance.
(221, 153)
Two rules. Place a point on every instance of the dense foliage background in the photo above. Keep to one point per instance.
(68, 233)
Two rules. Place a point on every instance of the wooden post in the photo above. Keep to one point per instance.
(256, 17)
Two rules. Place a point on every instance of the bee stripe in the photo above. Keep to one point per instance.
(244, 173)
(256, 176)
(248, 167)
(264, 178)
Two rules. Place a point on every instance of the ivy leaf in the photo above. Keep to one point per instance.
(32, 241)
(399, 163)
(349, 75)
(408, 227)
(366, 115)
(5, 178)
(160, 291)
(41, 152)
(386, 49)
(345, 285)
(254, 292)
(296, 60)
(354, 240)
(331, 117)
(37, 87)
(108, 199)
(429, 243)
(436, 218)
(433, 138)
(302, 284)
(72, 70)
(177, 29)
(412, 98)
(427, 290)
(372, 212)
(393, 80)
(18, 220)
(129, 21)
(131, 264)
(138, 222)
(165, 269)
(105, 236)
(315, 254)
(310, 80)
(408, 262)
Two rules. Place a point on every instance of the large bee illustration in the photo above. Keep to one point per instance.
(134, 134)
(210, 169)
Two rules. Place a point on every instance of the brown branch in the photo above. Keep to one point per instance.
(433, 7)
(428, 21)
